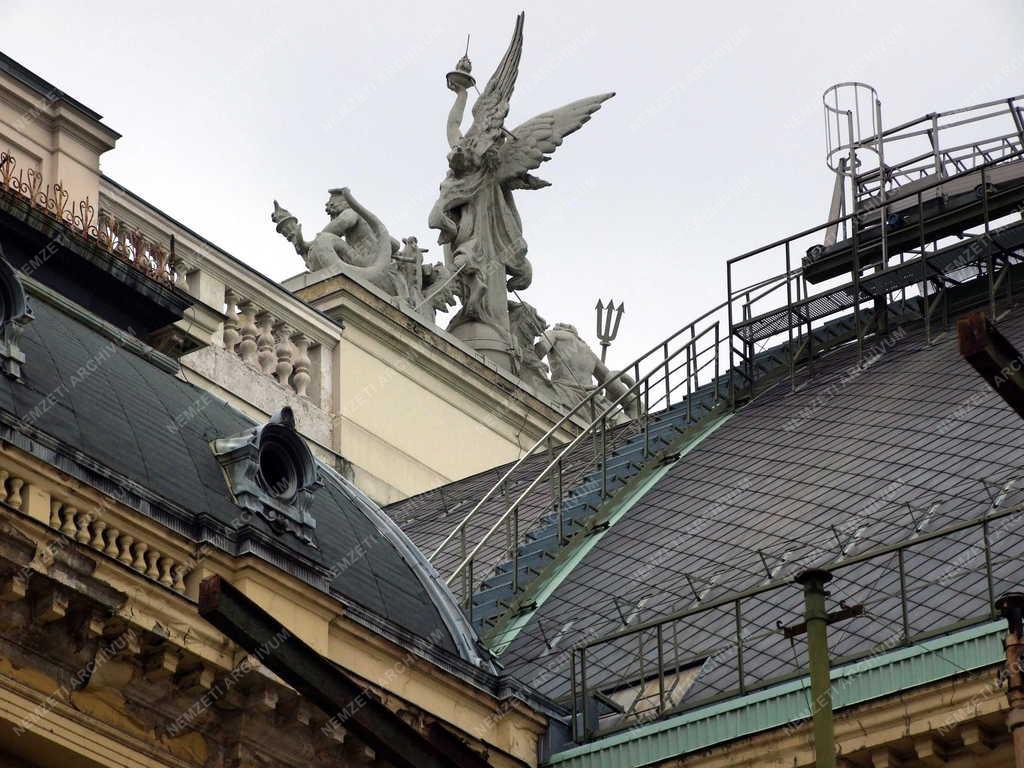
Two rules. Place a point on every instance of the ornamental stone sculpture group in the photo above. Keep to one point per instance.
(481, 235)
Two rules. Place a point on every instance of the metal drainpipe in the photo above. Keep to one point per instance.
(816, 617)
(1011, 605)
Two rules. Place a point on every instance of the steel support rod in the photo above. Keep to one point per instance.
(989, 263)
(789, 321)
(575, 696)
(1011, 606)
(661, 671)
(816, 616)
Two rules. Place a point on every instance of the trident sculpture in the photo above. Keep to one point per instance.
(608, 332)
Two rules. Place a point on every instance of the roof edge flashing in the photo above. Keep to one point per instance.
(981, 646)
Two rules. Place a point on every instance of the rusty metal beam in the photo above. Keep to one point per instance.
(994, 357)
(328, 687)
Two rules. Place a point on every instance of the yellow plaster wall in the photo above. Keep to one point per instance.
(396, 417)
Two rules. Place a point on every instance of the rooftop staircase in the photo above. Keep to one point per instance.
(701, 372)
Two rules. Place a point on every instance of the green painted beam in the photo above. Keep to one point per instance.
(545, 585)
(874, 677)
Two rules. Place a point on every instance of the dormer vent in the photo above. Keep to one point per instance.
(271, 471)
(14, 316)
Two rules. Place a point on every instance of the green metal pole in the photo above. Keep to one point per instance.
(813, 582)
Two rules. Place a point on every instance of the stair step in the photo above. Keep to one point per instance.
(504, 578)
(547, 543)
(534, 562)
(491, 596)
(549, 523)
(486, 611)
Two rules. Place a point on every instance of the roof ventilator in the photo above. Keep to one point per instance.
(271, 471)
(15, 314)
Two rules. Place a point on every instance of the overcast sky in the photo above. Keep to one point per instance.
(714, 143)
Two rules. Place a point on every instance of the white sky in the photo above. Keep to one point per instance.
(713, 145)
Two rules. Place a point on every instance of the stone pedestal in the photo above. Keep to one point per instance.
(486, 342)
(401, 385)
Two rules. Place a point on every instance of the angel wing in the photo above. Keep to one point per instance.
(491, 107)
(538, 137)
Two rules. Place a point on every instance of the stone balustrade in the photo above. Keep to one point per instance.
(264, 341)
(248, 339)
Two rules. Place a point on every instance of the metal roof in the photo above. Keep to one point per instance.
(852, 459)
(879, 676)
(777, 488)
(102, 406)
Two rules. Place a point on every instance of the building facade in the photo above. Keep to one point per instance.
(231, 539)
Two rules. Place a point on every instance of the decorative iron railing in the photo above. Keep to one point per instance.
(127, 244)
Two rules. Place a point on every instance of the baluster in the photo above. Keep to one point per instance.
(265, 354)
(152, 558)
(69, 528)
(282, 334)
(249, 331)
(139, 563)
(178, 577)
(14, 498)
(165, 571)
(231, 334)
(112, 536)
(125, 543)
(301, 363)
(84, 535)
(98, 528)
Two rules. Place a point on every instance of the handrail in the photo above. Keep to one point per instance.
(905, 166)
(661, 350)
(938, 115)
(554, 462)
(938, 182)
(543, 440)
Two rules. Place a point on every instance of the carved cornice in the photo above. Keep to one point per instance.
(62, 514)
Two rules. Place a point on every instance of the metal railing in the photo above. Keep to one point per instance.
(880, 254)
(126, 243)
(722, 644)
(493, 530)
(945, 152)
(667, 375)
(896, 594)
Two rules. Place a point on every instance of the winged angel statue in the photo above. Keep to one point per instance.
(476, 214)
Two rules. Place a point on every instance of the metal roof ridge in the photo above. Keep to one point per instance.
(42, 86)
(621, 508)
